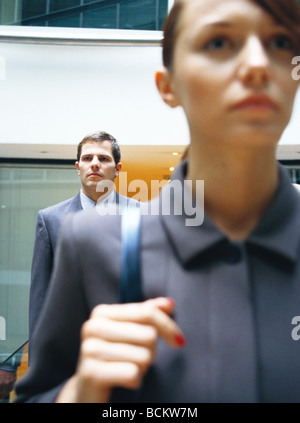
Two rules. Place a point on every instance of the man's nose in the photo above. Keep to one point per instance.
(254, 66)
(95, 162)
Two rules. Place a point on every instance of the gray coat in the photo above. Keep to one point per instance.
(48, 226)
(235, 302)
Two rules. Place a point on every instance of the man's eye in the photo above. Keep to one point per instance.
(103, 159)
(86, 159)
(217, 43)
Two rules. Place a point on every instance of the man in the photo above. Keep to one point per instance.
(98, 161)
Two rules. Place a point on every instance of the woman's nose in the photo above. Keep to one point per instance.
(254, 67)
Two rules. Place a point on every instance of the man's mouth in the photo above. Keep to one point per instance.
(95, 175)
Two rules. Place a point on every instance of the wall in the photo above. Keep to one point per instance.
(57, 85)
(56, 93)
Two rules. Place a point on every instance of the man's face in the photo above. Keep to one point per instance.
(96, 164)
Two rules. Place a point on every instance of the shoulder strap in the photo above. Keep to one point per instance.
(131, 282)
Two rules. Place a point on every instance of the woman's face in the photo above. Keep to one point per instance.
(232, 72)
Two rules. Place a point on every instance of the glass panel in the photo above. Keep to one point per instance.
(297, 176)
(32, 9)
(23, 191)
(132, 15)
(106, 17)
(67, 22)
(112, 14)
(294, 171)
(56, 5)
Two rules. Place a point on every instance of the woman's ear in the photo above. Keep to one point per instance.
(164, 86)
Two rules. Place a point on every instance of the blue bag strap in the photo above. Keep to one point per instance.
(131, 281)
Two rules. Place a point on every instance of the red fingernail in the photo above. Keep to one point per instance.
(180, 340)
(171, 300)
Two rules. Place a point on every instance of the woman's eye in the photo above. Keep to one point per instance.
(282, 42)
(217, 43)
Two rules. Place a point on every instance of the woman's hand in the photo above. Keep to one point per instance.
(118, 346)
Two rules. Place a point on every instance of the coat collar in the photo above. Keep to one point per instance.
(278, 231)
(75, 204)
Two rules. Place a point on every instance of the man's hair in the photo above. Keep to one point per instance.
(99, 137)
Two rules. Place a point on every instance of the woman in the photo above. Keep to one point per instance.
(221, 296)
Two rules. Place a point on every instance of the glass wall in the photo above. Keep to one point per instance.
(112, 14)
(24, 189)
(294, 170)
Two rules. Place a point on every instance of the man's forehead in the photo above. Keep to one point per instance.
(96, 147)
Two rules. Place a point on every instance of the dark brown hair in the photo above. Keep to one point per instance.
(99, 137)
(286, 12)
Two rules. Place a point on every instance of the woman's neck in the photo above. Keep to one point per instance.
(238, 187)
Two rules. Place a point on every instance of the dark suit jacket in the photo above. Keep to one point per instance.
(48, 225)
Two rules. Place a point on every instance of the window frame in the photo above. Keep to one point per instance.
(79, 36)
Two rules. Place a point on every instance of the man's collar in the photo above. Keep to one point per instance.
(88, 203)
(278, 231)
(109, 199)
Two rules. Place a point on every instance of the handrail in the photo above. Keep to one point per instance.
(13, 353)
(78, 36)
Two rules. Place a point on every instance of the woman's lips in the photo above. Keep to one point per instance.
(257, 102)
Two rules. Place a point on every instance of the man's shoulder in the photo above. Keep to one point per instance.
(97, 236)
(106, 222)
(89, 230)
(70, 205)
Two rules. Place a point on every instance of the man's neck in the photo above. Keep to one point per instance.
(97, 196)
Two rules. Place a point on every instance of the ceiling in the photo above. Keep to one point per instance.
(155, 154)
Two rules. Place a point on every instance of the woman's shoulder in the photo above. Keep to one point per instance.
(91, 224)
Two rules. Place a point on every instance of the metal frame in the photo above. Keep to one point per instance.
(79, 36)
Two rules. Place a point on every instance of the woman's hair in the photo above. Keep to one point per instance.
(286, 12)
